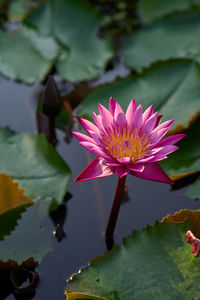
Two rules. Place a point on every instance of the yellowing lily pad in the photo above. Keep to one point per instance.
(11, 196)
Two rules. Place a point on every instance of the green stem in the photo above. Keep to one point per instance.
(115, 207)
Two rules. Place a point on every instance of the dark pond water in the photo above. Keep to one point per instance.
(85, 214)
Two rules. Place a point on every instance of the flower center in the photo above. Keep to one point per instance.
(120, 144)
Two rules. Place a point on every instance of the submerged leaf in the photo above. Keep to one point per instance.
(155, 263)
(28, 243)
(165, 85)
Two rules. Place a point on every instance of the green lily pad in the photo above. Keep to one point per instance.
(174, 37)
(39, 54)
(35, 164)
(186, 160)
(18, 9)
(172, 87)
(74, 24)
(155, 263)
(150, 10)
(27, 241)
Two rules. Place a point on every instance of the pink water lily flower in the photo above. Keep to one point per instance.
(127, 143)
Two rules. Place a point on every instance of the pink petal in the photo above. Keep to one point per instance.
(107, 117)
(121, 172)
(167, 149)
(118, 110)
(83, 138)
(121, 122)
(151, 159)
(87, 125)
(112, 104)
(147, 114)
(124, 160)
(110, 163)
(171, 140)
(98, 121)
(136, 123)
(153, 172)
(158, 120)
(166, 124)
(149, 125)
(136, 168)
(157, 136)
(96, 137)
(94, 170)
(94, 149)
(130, 111)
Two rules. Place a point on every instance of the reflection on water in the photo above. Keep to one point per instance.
(83, 217)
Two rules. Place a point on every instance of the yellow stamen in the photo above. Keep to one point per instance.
(122, 144)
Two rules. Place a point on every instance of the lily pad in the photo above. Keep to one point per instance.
(28, 243)
(39, 54)
(187, 160)
(12, 204)
(174, 37)
(18, 9)
(74, 24)
(150, 10)
(167, 86)
(35, 165)
(155, 263)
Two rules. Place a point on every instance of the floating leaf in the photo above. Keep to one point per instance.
(174, 37)
(12, 204)
(75, 25)
(35, 164)
(19, 9)
(155, 263)
(165, 85)
(193, 216)
(10, 194)
(39, 53)
(28, 243)
(74, 296)
(150, 10)
(187, 160)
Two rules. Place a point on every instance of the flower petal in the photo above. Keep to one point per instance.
(153, 172)
(118, 110)
(147, 114)
(136, 168)
(121, 171)
(166, 124)
(171, 140)
(157, 136)
(136, 122)
(98, 121)
(130, 111)
(87, 125)
(106, 115)
(112, 104)
(124, 160)
(167, 149)
(94, 149)
(83, 138)
(96, 169)
(149, 125)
